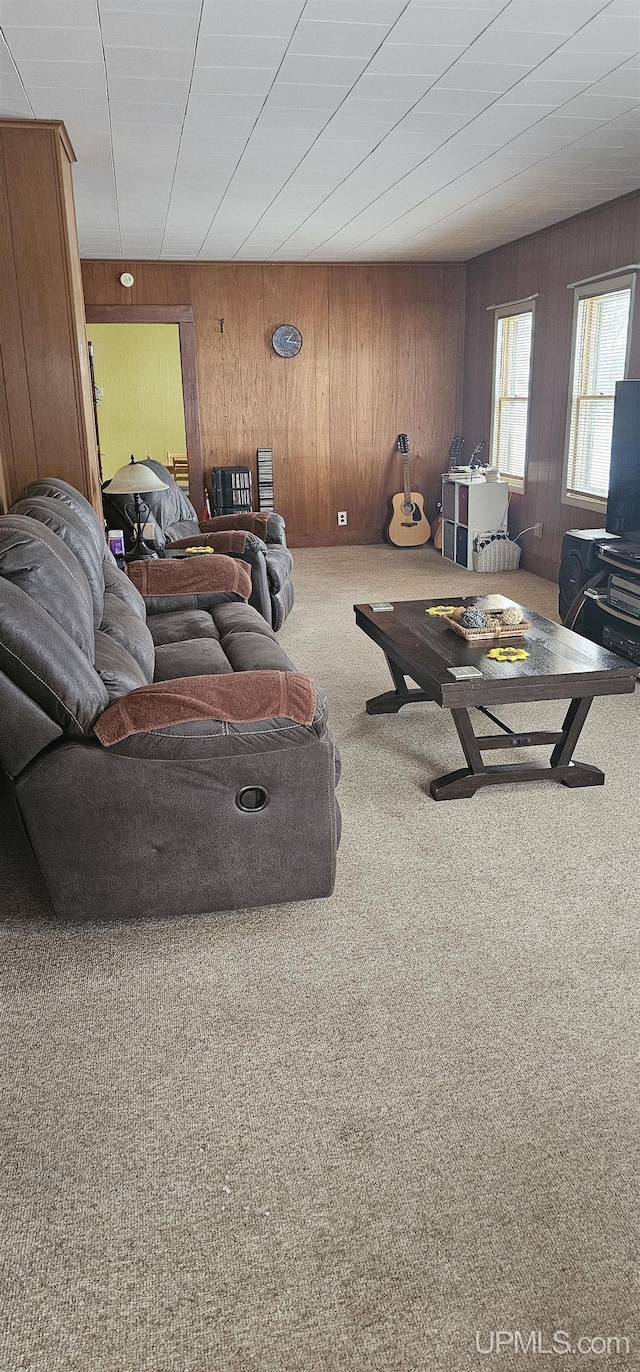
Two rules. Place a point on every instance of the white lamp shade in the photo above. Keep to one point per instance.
(135, 478)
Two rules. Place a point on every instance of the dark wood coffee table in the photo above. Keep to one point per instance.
(561, 666)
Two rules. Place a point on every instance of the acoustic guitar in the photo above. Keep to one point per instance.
(408, 526)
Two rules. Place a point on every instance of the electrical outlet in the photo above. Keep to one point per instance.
(342, 517)
(537, 531)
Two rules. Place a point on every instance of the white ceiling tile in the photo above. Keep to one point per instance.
(440, 100)
(183, 8)
(454, 24)
(539, 142)
(126, 28)
(71, 101)
(13, 101)
(337, 40)
(147, 115)
(276, 119)
(218, 106)
(48, 13)
(330, 71)
(407, 59)
(487, 76)
(578, 66)
(88, 75)
(370, 111)
(547, 16)
(236, 81)
(365, 136)
(604, 107)
(125, 90)
(508, 120)
(354, 11)
(572, 128)
(148, 64)
(305, 95)
(278, 17)
(428, 123)
(607, 34)
(492, 7)
(509, 47)
(247, 51)
(54, 45)
(530, 91)
(624, 81)
(372, 86)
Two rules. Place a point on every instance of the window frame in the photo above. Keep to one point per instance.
(516, 483)
(586, 291)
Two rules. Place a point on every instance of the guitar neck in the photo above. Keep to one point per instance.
(407, 479)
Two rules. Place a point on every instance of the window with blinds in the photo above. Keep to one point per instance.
(600, 345)
(511, 383)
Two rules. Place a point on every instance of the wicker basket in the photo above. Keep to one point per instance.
(491, 632)
(494, 551)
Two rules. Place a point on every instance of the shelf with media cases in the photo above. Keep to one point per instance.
(470, 505)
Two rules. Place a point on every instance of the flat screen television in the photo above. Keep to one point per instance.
(623, 504)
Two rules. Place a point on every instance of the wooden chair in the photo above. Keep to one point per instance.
(179, 467)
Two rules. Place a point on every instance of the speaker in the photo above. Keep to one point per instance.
(579, 562)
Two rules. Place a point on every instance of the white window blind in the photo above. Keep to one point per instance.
(512, 370)
(599, 360)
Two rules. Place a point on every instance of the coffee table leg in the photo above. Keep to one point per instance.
(575, 773)
(465, 782)
(391, 701)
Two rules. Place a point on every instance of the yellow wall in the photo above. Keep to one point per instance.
(142, 409)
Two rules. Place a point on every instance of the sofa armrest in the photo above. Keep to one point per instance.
(235, 699)
(233, 542)
(276, 530)
(254, 522)
(189, 576)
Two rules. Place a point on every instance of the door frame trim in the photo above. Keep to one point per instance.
(182, 315)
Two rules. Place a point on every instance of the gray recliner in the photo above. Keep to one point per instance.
(260, 539)
(151, 825)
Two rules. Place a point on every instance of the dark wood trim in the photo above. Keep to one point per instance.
(182, 315)
(192, 412)
(139, 314)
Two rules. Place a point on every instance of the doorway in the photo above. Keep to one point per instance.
(144, 370)
(140, 408)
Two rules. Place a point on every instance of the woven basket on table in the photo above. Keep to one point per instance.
(491, 632)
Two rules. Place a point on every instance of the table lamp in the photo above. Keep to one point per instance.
(135, 479)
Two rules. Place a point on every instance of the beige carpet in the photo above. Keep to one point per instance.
(349, 1134)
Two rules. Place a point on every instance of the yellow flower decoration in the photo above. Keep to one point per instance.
(440, 610)
(508, 654)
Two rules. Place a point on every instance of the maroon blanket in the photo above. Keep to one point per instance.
(190, 575)
(235, 698)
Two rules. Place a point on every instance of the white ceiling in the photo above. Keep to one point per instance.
(329, 130)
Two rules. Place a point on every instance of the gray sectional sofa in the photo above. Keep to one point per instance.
(203, 815)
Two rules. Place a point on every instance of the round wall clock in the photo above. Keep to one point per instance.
(286, 340)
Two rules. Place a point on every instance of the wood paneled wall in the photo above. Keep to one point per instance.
(46, 414)
(382, 354)
(604, 238)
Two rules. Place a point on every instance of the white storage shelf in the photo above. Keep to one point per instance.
(470, 508)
